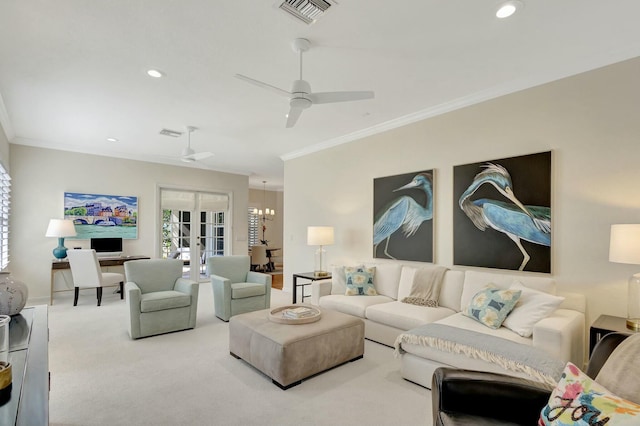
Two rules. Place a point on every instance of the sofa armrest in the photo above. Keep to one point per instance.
(318, 289)
(133, 296)
(258, 277)
(184, 285)
(221, 287)
(561, 335)
(465, 393)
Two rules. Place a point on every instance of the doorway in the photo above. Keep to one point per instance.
(193, 228)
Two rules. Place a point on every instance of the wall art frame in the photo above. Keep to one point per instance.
(102, 216)
(403, 207)
(502, 213)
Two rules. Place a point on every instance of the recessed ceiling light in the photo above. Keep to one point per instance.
(154, 73)
(508, 8)
(112, 139)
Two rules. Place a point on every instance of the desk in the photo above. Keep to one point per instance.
(58, 265)
(311, 276)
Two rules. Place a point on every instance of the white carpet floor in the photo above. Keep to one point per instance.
(99, 376)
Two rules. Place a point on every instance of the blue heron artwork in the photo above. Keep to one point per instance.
(403, 212)
(503, 216)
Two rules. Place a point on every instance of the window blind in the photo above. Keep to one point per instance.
(5, 202)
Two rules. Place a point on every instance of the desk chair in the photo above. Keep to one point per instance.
(86, 273)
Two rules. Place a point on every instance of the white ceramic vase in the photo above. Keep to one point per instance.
(13, 294)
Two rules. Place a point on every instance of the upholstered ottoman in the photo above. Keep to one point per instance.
(289, 353)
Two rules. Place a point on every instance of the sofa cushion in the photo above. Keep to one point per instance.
(451, 290)
(352, 305)
(532, 306)
(491, 305)
(461, 321)
(360, 281)
(161, 300)
(579, 400)
(387, 278)
(406, 281)
(338, 284)
(403, 316)
(475, 281)
(244, 290)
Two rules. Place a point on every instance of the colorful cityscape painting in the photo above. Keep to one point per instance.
(102, 216)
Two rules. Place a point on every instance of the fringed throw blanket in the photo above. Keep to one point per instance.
(509, 355)
(425, 288)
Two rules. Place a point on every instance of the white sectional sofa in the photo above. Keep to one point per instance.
(560, 334)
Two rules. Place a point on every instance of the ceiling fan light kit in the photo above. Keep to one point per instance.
(301, 97)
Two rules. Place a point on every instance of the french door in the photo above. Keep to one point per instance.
(193, 228)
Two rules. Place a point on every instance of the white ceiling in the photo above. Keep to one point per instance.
(73, 72)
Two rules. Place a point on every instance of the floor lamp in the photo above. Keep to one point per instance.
(319, 236)
(624, 247)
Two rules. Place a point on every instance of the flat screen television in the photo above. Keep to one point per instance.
(107, 246)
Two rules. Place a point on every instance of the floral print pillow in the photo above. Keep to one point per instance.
(578, 400)
(360, 280)
(491, 305)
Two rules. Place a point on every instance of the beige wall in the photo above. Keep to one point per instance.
(4, 148)
(591, 124)
(41, 176)
(274, 200)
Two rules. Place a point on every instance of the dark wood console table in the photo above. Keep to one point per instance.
(29, 358)
(58, 265)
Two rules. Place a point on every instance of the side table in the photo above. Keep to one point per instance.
(604, 325)
(311, 277)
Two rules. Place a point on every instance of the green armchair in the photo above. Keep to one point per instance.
(160, 300)
(237, 289)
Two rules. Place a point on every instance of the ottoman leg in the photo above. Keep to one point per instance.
(286, 387)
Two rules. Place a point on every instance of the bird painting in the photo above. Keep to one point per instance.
(404, 213)
(517, 221)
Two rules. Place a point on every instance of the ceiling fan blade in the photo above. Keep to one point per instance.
(201, 155)
(263, 85)
(331, 97)
(292, 117)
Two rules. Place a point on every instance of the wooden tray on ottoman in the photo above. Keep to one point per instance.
(277, 315)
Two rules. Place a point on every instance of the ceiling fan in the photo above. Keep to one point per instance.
(300, 96)
(188, 154)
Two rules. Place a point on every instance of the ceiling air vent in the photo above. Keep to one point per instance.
(307, 11)
(172, 133)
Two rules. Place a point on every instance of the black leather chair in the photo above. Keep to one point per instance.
(475, 398)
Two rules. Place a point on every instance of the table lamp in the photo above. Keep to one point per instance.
(319, 236)
(60, 228)
(624, 247)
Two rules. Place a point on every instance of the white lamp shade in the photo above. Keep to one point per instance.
(61, 228)
(624, 246)
(319, 235)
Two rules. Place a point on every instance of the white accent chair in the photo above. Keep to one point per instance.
(259, 259)
(236, 289)
(160, 300)
(86, 273)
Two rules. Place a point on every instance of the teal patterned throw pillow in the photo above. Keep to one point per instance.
(492, 305)
(360, 280)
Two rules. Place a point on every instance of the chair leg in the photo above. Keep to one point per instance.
(76, 290)
(99, 291)
(121, 290)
